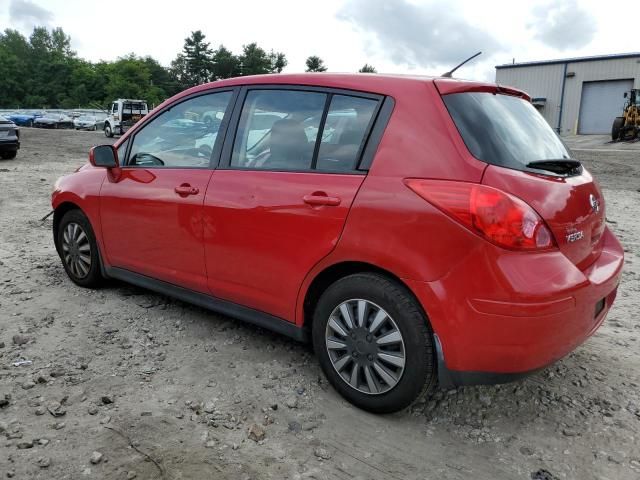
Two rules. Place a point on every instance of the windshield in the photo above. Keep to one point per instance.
(504, 130)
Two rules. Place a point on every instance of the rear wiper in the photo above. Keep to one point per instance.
(565, 166)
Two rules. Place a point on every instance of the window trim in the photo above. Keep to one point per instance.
(227, 149)
(376, 133)
(220, 138)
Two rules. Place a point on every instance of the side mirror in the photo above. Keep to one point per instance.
(625, 95)
(103, 156)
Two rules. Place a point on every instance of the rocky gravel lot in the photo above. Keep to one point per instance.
(121, 383)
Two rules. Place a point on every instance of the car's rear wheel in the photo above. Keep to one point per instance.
(78, 249)
(374, 343)
(9, 155)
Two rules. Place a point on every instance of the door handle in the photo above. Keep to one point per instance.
(318, 199)
(186, 189)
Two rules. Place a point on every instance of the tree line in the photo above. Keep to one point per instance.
(42, 71)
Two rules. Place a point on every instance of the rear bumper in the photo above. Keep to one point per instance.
(513, 314)
(9, 145)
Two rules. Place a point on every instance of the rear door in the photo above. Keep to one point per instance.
(151, 212)
(508, 133)
(278, 202)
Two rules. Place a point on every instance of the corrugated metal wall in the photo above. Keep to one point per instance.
(546, 81)
(540, 81)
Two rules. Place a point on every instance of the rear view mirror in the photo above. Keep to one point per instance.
(625, 95)
(103, 156)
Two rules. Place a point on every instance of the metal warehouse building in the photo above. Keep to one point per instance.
(576, 95)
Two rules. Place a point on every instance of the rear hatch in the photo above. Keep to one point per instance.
(8, 130)
(526, 158)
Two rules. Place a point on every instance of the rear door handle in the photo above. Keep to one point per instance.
(186, 189)
(317, 199)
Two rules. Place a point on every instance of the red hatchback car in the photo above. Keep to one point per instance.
(416, 229)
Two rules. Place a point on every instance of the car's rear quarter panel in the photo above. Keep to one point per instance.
(388, 225)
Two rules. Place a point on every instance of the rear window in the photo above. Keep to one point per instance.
(504, 130)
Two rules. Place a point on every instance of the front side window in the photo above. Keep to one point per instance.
(183, 136)
(278, 130)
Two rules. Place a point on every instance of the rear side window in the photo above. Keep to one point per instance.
(278, 130)
(503, 130)
(344, 132)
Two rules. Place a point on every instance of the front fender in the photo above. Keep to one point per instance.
(82, 190)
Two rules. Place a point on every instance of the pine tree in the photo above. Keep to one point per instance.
(197, 60)
(367, 69)
(315, 64)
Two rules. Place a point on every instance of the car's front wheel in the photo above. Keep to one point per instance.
(10, 155)
(78, 249)
(374, 343)
(107, 131)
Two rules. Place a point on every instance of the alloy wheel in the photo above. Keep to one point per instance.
(365, 346)
(76, 250)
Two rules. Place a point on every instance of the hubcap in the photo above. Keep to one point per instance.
(76, 250)
(365, 346)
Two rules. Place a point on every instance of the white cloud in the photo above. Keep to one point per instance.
(28, 14)
(563, 25)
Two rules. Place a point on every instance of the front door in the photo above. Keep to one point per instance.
(279, 201)
(152, 212)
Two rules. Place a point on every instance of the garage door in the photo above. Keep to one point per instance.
(601, 102)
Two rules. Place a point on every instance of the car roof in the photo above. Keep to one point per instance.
(383, 84)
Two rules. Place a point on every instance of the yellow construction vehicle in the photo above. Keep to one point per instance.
(627, 127)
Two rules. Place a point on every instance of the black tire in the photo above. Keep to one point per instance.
(419, 373)
(107, 131)
(617, 128)
(9, 155)
(30, 124)
(93, 278)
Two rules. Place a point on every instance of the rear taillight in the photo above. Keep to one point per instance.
(499, 217)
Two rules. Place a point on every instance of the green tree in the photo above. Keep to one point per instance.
(315, 64)
(194, 65)
(366, 68)
(225, 64)
(43, 71)
(131, 77)
(254, 60)
(15, 52)
(278, 61)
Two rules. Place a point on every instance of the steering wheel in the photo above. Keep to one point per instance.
(146, 159)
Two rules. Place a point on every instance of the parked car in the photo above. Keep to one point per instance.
(53, 120)
(9, 139)
(23, 119)
(417, 230)
(88, 122)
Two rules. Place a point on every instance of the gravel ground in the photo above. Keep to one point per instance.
(121, 383)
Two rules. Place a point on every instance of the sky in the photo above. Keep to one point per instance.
(396, 36)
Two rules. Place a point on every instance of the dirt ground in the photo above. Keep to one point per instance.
(122, 383)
